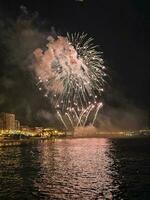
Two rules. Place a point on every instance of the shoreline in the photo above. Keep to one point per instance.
(19, 142)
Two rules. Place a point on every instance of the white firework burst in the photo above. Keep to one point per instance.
(72, 71)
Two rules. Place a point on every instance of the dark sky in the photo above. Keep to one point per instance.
(121, 28)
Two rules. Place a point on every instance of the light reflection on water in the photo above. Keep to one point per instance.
(94, 168)
(77, 169)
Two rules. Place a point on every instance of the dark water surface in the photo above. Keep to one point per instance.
(93, 168)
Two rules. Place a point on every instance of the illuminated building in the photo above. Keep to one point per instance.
(38, 130)
(1, 123)
(8, 120)
(25, 128)
(17, 125)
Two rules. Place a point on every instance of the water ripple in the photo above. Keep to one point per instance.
(74, 169)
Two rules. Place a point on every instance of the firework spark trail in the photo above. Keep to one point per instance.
(58, 113)
(81, 115)
(92, 107)
(67, 114)
(77, 117)
(98, 108)
(72, 71)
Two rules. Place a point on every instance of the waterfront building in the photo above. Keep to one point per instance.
(17, 125)
(38, 130)
(1, 123)
(25, 128)
(8, 120)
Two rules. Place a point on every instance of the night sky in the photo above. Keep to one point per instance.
(120, 28)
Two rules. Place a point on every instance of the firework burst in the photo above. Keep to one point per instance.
(71, 71)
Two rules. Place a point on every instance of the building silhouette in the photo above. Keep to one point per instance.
(1, 123)
(17, 125)
(7, 121)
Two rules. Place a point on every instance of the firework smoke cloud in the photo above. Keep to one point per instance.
(71, 72)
